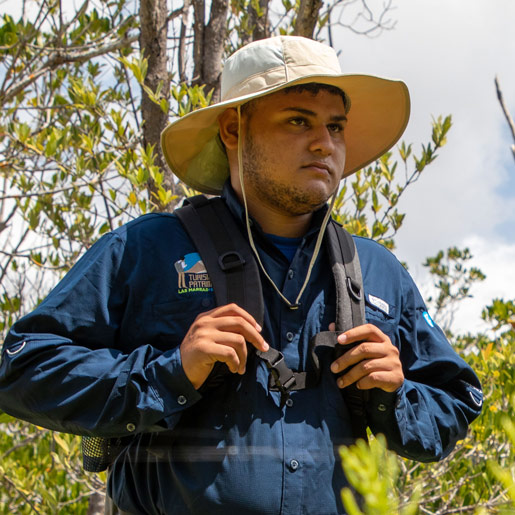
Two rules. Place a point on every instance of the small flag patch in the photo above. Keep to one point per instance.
(428, 319)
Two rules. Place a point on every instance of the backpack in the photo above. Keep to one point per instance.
(235, 277)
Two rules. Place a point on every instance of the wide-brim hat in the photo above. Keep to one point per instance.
(379, 107)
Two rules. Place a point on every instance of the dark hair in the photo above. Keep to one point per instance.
(311, 87)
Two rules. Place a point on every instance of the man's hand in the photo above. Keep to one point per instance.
(375, 361)
(219, 335)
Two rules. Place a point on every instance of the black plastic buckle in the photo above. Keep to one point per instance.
(354, 289)
(230, 260)
(283, 377)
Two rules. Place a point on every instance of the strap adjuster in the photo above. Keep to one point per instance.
(355, 289)
(230, 260)
(283, 377)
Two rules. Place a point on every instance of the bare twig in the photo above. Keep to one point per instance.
(41, 193)
(507, 115)
(27, 500)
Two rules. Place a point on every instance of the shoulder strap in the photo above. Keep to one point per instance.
(350, 299)
(234, 274)
(350, 312)
(225, 253)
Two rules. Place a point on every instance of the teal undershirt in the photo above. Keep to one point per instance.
(288, 246)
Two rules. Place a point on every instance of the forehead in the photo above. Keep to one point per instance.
(321, 101)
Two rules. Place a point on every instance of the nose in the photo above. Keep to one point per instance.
(322, 142)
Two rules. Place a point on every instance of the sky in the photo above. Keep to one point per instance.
(448, 52)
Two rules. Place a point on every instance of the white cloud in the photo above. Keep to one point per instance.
(495, 259)
(449, 53)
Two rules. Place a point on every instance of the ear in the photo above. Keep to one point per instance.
(228, 123)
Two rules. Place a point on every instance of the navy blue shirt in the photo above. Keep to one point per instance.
(100, 356)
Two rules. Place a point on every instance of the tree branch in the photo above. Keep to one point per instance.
(307, 18)
(153, 41)
(215, 35)
(61, 58)
(507, 115)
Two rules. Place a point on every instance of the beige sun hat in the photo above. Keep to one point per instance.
(378, 115)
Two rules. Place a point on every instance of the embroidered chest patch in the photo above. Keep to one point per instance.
(192, 274)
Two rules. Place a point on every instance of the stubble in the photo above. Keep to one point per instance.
(258, 171)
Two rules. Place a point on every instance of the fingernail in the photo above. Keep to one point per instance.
(265, 346)
(334, 367)
(341, 383)
(258, 327)
(342, 338)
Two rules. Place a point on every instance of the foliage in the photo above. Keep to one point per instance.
(74, 164)
(372, 471)
(375, 191)
(453, 281)
(479, 475)
(40, 471)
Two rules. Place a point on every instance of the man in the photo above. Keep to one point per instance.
(125, 344)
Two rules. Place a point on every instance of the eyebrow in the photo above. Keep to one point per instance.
(308, 112)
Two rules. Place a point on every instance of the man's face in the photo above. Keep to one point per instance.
(294, 150)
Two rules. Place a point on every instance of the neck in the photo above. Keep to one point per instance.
(274, 221)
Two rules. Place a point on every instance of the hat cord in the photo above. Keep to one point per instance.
(318, 243)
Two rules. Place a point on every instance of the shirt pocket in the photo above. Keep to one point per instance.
(171, 320)
(383, 315)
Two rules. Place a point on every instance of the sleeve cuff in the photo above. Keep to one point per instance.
(173, 388)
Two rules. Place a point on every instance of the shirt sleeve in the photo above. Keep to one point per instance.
(64, 368)
(441, 395)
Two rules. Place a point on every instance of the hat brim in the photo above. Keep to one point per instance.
(378, 116)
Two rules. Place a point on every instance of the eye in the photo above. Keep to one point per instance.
(299, 121)
(336, 127)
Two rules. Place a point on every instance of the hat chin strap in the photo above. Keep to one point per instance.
(318, 244)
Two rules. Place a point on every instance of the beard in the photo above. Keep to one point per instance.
(258, 172)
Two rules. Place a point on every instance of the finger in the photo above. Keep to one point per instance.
(332, 326)
(228, 319)
(357, 372)
(362, 351)
(385, 373)
(387, 381)
(225, 354)
(234, 310)
(240, 326)
(236, 342)
(368, 332)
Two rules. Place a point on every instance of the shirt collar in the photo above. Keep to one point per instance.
(234, 205)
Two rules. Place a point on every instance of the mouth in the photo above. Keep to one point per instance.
(320, 167)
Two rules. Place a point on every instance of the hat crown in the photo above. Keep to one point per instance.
(268, 63)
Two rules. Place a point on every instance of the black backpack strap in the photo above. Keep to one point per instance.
(234, 273)
(347, 275)
(227, 256)
(350, 312)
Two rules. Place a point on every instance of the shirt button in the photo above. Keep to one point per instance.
(291, 273)
(289, 336)
(381, 407)
(182, 400)
(289, 403)
(294, 464)
(131, 427)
